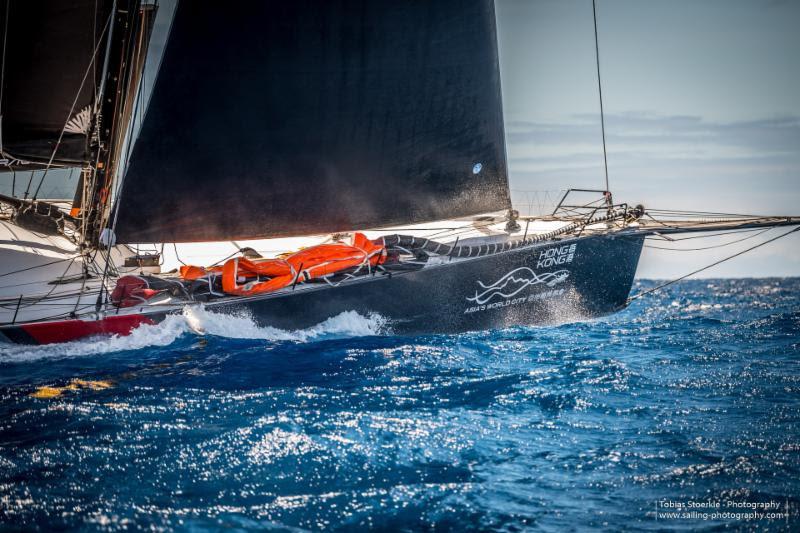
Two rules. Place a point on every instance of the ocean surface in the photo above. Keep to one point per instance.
(681, 412)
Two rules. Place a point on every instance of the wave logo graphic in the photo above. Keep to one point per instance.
(515, 282)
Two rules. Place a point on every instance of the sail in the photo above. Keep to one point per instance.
(49, 79)
(277, 118)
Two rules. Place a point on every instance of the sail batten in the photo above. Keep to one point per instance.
(315, 116)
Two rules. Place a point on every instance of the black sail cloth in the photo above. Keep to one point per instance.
(50, 78)
(287, 118)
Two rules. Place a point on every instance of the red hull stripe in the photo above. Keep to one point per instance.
(70, 330)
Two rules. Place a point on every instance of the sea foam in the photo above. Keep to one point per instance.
(199, 321)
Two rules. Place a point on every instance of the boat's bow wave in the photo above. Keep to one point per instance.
(242, 326)
(198, 320)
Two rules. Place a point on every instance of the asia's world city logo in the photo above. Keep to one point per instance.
(506, 290)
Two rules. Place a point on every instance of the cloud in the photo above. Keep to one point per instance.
(685, 161)
(675, 162)
(772, 135)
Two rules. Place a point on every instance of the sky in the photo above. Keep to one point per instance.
(702, 108)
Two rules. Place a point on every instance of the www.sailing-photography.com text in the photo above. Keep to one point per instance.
(727, 510)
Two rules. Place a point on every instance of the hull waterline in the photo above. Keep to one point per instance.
(569, 280)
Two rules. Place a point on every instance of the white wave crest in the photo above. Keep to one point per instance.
(201, 321)
(242, 326)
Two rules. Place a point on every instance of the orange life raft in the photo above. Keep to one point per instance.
(244, 277)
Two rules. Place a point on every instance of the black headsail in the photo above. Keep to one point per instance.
(277, 118)
(50, 75)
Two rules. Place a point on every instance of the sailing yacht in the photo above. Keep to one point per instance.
(291, 160)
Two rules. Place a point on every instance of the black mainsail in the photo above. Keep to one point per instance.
(50, 76)
(281, 118)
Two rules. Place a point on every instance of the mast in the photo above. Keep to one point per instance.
(123, 66)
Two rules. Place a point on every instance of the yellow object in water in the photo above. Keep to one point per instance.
(75, 384)
(47, 392)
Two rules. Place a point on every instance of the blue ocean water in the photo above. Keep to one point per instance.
(689, 397)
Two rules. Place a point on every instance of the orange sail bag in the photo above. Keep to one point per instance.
(241, 276)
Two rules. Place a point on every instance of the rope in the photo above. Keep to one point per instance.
(659, 287)
(178, 257)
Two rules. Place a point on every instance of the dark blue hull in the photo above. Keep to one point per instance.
(550, 283)
(570, 280)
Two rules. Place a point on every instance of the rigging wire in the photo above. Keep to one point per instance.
(707, 247)
(94, 42)
(660, 237)
(28, 188)
(71, 111)
(81, 293)
(37, 266)
(3, 73)
(600, 91)
(711, 214)
(38, 299)
(737, 254)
